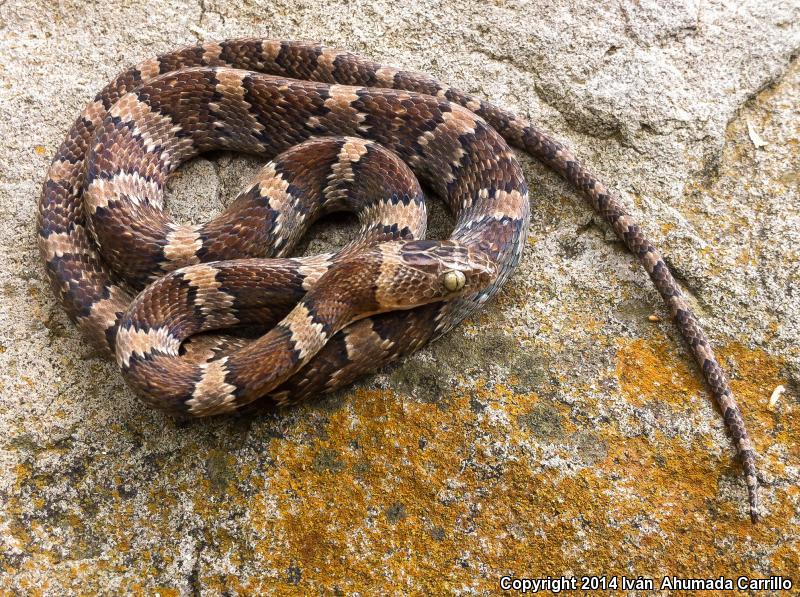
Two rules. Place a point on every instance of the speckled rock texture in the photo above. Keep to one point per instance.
(564, 430)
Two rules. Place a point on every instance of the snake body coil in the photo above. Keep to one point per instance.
(343, 134)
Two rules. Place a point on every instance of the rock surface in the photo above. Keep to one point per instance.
(559, 432)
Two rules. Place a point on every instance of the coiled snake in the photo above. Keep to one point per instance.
(343, 133)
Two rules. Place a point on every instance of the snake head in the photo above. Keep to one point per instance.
(425, 271)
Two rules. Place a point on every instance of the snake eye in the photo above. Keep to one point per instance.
(454, 280)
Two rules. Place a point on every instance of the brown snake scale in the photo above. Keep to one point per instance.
(343, 134)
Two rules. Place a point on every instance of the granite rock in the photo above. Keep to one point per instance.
(559, 431)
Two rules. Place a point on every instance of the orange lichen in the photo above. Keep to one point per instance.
(757, 375)
(402, 493)
(388, 491)
(653, 371)
(336, 524)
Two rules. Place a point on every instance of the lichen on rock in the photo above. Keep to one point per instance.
(559, 431)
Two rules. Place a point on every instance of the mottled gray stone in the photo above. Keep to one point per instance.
(542, 437)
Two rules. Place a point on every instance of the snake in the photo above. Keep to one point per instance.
(339, 132)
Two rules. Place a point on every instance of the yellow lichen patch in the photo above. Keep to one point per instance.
(787, 555)
(394, 494)
(649, 370)
(643, 508)
(369, 491)
(380, 510)
(757, 374)
(592, 326)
